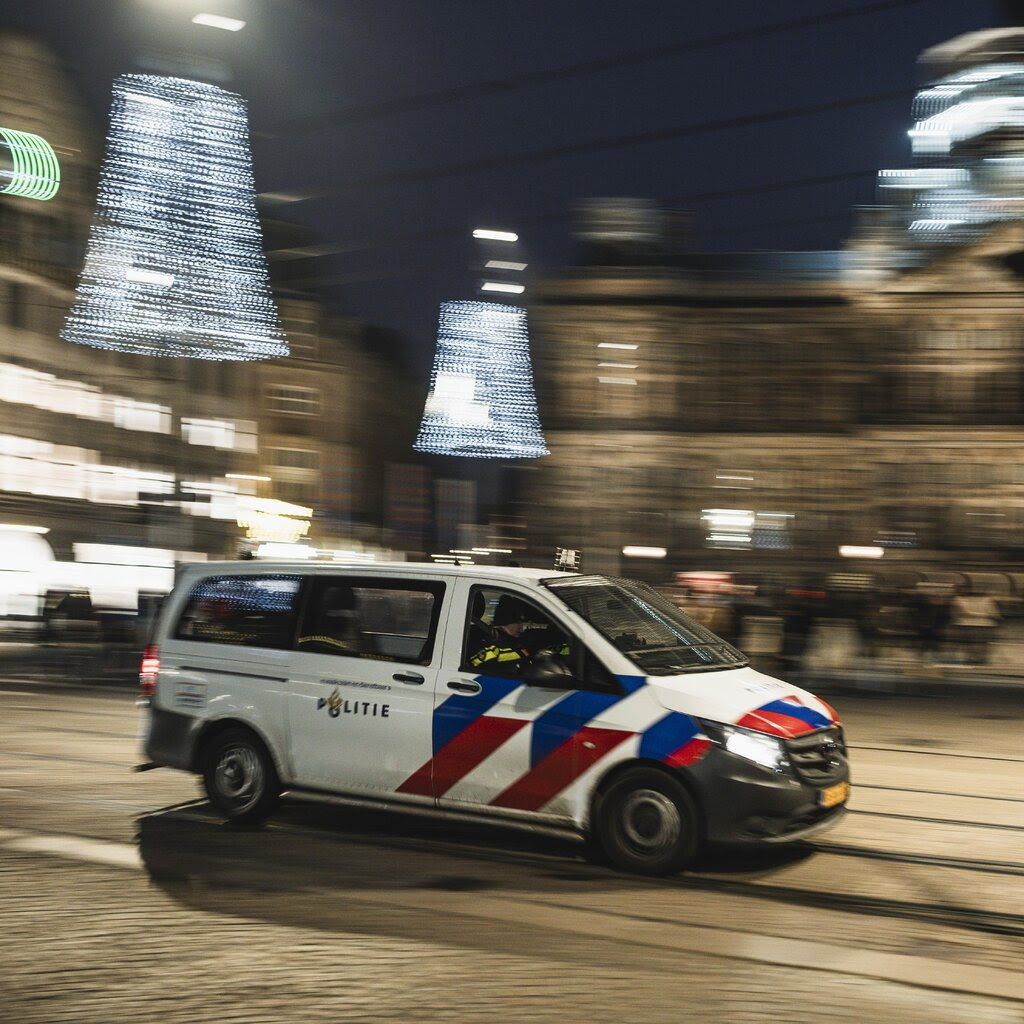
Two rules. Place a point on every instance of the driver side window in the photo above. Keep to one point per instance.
(504, 631)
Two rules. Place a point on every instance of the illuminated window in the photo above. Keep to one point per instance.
(132, 415)
(210, 433)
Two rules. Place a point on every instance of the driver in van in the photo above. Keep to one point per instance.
(510, 645)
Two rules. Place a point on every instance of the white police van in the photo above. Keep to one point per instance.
(586, 703)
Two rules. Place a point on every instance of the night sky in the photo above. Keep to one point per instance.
(389, 114)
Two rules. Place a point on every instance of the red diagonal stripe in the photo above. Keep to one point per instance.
(562, 766)
(460, 756)
(690, 752)
(775, 723)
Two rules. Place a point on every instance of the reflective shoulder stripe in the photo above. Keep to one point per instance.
(487, 654)
(494, 654)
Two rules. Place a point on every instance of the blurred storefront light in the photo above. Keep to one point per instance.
(268, 521)
(643, 551)
(741, 527)
(860, 551)
(277, 550)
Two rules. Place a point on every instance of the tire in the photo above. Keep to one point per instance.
(239, 776)
(647, 823)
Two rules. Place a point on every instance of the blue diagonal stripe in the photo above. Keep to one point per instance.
(565, 718)
(667, 735)
(460, 710)
(632, 683)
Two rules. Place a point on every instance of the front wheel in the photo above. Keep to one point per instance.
(239, 776)
(647, 823)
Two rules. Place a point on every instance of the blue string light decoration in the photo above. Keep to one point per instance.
(481, 403)
(175, 264)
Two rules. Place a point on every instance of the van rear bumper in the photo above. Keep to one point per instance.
(171, 739)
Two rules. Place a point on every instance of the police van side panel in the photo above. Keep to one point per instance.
(360, 701)
(205, 681)
(511, 748)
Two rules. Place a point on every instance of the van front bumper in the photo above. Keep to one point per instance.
(745, 803)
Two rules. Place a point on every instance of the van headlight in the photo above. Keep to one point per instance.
(766, 751)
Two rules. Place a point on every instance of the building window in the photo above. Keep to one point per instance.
(297, 492)
(293, 401)
(209, 433)
(302, 330)
(293, 458)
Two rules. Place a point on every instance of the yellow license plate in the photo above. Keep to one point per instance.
(837, 794)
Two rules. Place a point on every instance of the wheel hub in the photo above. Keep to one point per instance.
(239, 776)
(650, 821)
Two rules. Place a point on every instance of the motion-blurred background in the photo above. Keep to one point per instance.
(773, 266)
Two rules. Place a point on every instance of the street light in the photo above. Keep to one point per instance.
(218, 21)
(504, 265)
(495, 236)
(501, 286)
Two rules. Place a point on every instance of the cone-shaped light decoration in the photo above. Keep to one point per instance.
(481, 402)
(175, 264)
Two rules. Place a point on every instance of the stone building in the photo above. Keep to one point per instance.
(759, 411)
(121, 460)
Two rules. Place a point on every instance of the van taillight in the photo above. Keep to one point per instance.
(149, 670)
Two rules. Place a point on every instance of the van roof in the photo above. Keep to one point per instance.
(374, 568)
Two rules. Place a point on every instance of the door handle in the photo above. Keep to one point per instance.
(464, 687)
(408, 677)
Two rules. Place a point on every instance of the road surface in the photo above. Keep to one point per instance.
(123, 898)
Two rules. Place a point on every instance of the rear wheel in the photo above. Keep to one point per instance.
(647, 823)
(239, 776)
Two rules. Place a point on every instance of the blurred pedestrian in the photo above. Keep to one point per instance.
(974, 620)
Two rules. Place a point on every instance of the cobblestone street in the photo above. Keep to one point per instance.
(124, 898)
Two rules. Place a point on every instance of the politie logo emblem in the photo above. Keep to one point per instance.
(337, 705)
(333, 703)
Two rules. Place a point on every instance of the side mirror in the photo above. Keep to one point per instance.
(547, 672)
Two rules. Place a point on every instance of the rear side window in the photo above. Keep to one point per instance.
(250, 611)
(386, 620)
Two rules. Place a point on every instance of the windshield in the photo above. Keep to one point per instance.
(645, 626)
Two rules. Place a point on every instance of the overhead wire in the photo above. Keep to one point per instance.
(476, 90)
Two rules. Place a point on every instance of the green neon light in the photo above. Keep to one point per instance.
(35, 172)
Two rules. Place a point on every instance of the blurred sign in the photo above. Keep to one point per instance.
(28, 166)
(567, 560)
(268, 521)
(619, 220)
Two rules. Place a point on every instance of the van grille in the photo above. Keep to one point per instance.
(819, 758)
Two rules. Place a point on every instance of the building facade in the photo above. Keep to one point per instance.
(761, 411)
(115, 465)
